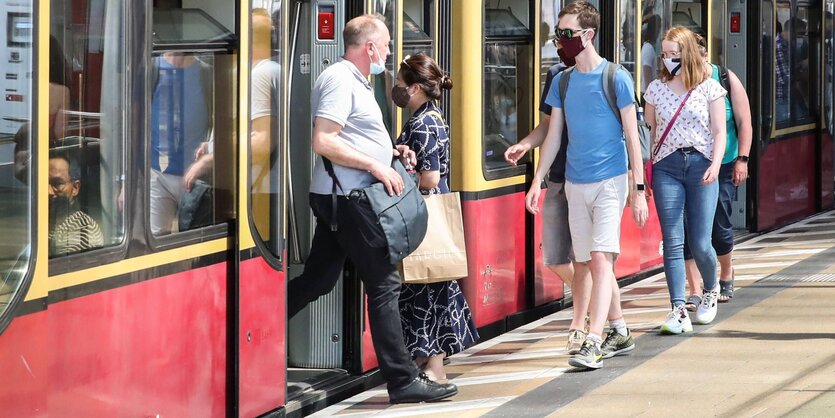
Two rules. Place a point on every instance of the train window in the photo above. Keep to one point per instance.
(651, 31)
(192, 101)
(264, 145)
(15, 143)
(418, 32)
(383, 82)
(418, 26)
(627, 47)
(86, 126)
(796, 51)
(507, 101)
(829, 62)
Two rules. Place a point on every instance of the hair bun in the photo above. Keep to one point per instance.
(446, 82)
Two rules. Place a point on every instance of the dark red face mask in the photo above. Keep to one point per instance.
(571, 47)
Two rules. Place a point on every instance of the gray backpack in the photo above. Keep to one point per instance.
(611, 97)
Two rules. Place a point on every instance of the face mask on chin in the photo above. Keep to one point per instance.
(673, 65)
(377, 67)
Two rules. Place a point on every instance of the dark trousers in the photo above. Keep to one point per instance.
(381, 279)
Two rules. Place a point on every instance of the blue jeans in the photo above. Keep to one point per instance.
(723, 228)
(679, 192)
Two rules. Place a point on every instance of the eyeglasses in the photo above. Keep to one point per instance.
(57, 185)
(670, 54)
(569, 33)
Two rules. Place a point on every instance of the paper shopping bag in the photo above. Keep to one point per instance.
(442, 256)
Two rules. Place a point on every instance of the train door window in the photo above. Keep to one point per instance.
(507, 102)
(651, 34)
(384, 81)
(418, 33)
(264, 140)
(627, 46)
(829, 62)
(15, 142)
(796, 49)
(191, 100)
(767, 68)
(87, 109)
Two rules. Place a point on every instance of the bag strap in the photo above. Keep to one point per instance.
(670, 125)
(609, 88)
(566, 75)
(334, 184)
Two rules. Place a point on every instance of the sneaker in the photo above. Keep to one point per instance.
(706, 312)
(677, 322)
(616, 344)
(589, 356)
(575, 341)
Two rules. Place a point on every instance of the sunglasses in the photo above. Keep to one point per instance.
(569, 33)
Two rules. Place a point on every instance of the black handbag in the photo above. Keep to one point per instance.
(402, 219)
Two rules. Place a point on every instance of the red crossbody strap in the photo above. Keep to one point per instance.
(672, 121)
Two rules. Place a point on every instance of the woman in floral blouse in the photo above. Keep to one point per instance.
(436, 319)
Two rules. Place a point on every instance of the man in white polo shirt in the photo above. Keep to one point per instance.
(348, 130)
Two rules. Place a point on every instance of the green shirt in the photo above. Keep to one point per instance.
(732, 144)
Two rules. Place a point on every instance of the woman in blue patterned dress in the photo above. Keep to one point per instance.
(436, 319)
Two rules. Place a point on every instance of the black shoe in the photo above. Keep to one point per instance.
(422, 390)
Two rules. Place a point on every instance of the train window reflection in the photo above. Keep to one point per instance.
(507, 104)
(265, 150)
(628, 41)
(86, 127)
(795, 52)
(15, 143)
(192, 124)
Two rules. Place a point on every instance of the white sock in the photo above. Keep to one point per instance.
(596, 339)
(619, 325)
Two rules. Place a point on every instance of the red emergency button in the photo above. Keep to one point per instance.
(325, 24)
(736, 22)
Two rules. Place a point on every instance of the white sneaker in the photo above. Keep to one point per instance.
(706, 312)
(678, 322)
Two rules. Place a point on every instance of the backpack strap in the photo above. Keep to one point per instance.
(566, 75)
(609, 88)
(724, 79)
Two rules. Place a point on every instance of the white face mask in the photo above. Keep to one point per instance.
(377, 67)
(673, 65)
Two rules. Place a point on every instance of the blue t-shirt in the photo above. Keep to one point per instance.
(557, 173)
(597, 150)
(179, 119)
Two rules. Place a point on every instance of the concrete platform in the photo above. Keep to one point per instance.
(770, 352)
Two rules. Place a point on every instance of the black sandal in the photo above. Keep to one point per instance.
(726, 290)
(693, 302)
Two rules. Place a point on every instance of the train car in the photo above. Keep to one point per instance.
(123, 293)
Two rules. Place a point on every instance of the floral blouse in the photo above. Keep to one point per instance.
(692, 128)
(427, 135)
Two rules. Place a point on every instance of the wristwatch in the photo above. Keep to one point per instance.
(639, 187)
(743, 158)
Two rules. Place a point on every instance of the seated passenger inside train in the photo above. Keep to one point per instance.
(71, 230)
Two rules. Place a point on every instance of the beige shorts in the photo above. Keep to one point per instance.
(594, 214)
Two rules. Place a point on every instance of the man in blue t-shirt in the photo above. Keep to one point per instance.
(556, 237)
(596, 174)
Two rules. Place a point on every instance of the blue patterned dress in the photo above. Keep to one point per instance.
(435, 317)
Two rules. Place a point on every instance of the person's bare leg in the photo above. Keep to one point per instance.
(581, 292)
(603, 276)
(726, 266)
(615, 310)
(694, 277)
(434, 368)
(566, 273)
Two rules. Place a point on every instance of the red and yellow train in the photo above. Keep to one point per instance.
(149, 322)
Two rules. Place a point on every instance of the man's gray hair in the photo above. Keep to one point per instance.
(360, 29)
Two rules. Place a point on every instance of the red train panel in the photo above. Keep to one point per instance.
(786, 182)
(827, 172)
(495, 239)
(262, 341)
(24, 362)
